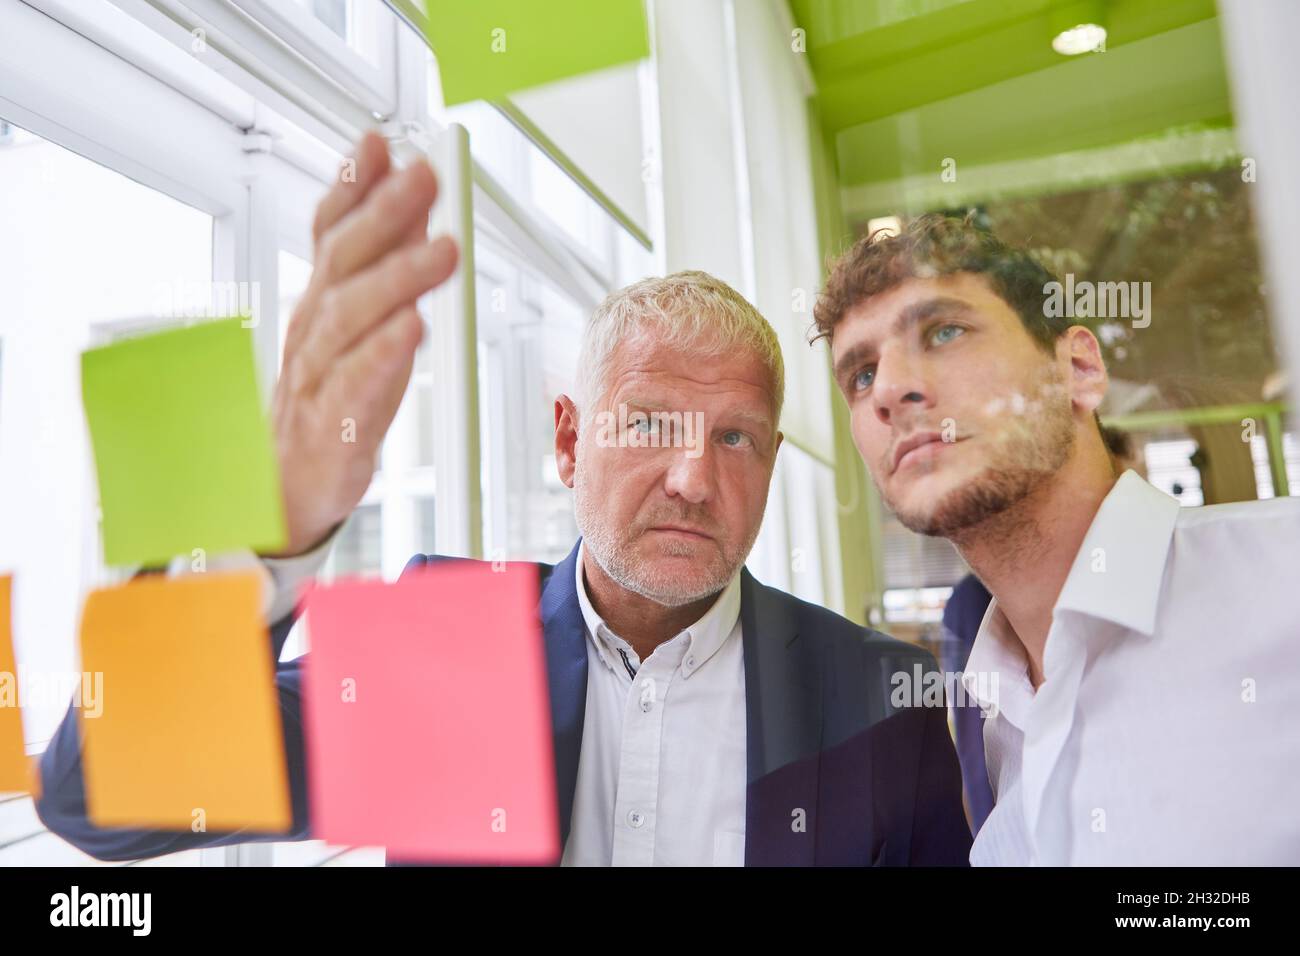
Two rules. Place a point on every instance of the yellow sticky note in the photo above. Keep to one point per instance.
(188, 734)
(14, 775)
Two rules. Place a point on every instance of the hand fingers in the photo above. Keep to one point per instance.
(349, 311)
(378, 225)
(371, 379)
(395, 213)
(418, 233)
(372, 165)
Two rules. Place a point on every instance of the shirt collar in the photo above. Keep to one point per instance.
(703, 638)
(1116, 576)
(996, 675)
(1120, 567)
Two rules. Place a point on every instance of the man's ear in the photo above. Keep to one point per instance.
(566, 439)
(1088, 378)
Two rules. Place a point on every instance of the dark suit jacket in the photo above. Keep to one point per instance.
(836, 775)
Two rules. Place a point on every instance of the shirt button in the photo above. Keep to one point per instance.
(635, 819)
(646, 705)
(690, 661)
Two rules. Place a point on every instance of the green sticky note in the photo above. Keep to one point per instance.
(489, 48)
(182, 446)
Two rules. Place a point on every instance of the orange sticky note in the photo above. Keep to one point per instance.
(13, 757)
(428, 716)
(188, 730)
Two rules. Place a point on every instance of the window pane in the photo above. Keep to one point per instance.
(294, 275)
(529, 335)
(359, 547)
(425, 423)
(332, 13)
(86, 255)
(355, 22)
(428, 517)
(1121, 170)
(535, 181)
(404, 468)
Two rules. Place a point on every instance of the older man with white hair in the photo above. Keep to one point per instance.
(699, 717)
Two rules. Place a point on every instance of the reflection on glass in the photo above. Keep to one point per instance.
(1119, 169)
(529, 336)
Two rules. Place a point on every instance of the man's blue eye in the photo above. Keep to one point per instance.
(946, 333)
(734, 439)
(864, 379)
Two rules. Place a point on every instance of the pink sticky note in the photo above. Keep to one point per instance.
(428, 716)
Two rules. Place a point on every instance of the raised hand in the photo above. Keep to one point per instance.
(351, 341)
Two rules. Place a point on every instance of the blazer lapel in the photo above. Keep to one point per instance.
(783, 719)
(566, 672)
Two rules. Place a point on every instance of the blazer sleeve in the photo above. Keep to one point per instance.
(940, 834)
(61, 804)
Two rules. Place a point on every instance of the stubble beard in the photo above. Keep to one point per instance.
(614, 551)
(1025, 457)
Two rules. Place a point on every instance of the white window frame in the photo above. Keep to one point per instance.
(373, 84)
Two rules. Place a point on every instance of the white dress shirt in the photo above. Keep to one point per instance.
(661, 772)
(1165, 731)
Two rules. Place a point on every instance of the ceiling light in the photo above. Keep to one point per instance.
(1078, 27)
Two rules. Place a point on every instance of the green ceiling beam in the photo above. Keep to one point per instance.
(1174, 153)
(827, 21)
(839, 56)
(1174, 80)
(960, 47)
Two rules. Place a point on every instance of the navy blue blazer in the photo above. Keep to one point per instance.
(836, 774)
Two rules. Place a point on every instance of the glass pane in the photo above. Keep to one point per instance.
(529, 336)
(332, 13)
(428, 516)
(425, 425)
(355, 22)
(535, 181)
(1119, 167)
(404, 468)
(294, 276)
(1169, 467)
(358, 549)
(86, 255)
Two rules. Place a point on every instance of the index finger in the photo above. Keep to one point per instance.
(372, 165)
